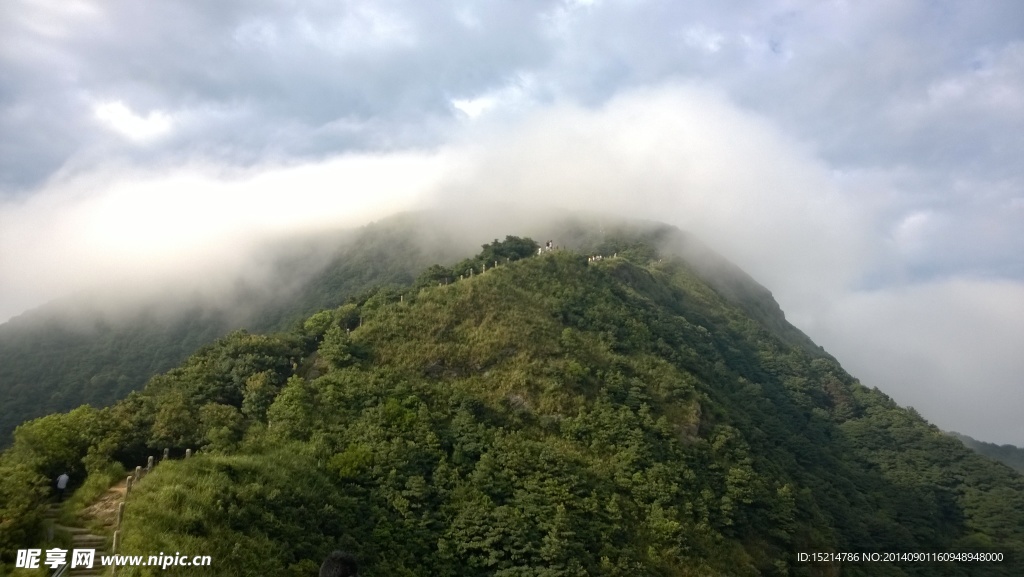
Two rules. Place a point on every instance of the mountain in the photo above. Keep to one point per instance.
(649, 412)
(95, 349)
(1008, 455)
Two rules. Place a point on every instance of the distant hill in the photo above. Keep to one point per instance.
(649, 412)
(1008, 455)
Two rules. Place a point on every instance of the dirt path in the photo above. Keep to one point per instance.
(94, 530)
(104, 510)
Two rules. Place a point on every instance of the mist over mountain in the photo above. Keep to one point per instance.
(626, 403)
(100, 345)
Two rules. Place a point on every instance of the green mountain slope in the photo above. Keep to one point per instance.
(550, 416)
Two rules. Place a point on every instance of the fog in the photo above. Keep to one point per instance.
(188, 229)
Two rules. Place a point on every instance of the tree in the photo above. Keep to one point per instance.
(222, 426)
(259, 394)
(291, 414)
(176, 423)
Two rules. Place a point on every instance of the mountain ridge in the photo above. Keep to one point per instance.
(72, 352)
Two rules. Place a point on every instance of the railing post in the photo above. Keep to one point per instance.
(120, 513)
(167, 453)
(149, 464)
(128, 485)
(188, 453)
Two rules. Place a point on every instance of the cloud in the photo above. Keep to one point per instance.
(120, 226)
(684, 154)
(245, 84)
(123, 120)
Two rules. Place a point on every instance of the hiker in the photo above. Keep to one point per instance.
(339, 564)
(62, 484)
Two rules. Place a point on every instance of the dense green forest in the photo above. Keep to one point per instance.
(642, 414)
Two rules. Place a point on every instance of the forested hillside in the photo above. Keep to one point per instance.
(554, 415)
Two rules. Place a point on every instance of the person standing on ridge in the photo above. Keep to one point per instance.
(62, 485)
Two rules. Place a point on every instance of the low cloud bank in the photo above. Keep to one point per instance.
(196, 227)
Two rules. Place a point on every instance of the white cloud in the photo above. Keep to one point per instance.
(473, 107)
(685, 155)
(513, 97)
(118, 225)
(121, 119)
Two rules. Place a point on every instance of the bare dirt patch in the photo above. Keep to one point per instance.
(104, 510)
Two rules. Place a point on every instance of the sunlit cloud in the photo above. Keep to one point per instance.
(117, 225)
(475, 106)
(121, 119)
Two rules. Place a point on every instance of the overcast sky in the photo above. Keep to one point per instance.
(860, 159)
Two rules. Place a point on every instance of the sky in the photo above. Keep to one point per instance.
(860, 159)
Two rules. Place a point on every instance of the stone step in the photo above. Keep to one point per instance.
(72, 530)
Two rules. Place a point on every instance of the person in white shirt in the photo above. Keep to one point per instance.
(62, 484)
